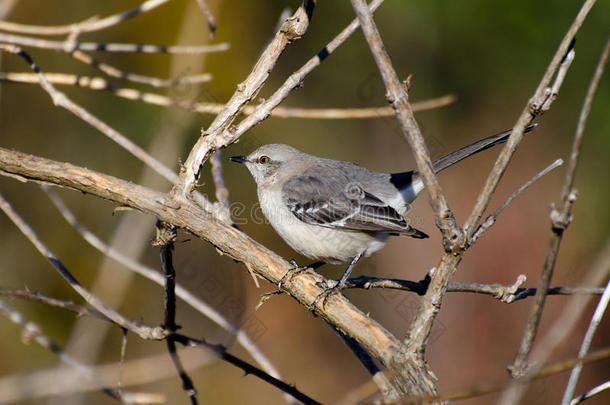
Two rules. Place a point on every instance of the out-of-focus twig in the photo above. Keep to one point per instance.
(142, 330)
(99, 83)
(208, 15)
(60, 99)
(586, 344)
(58, 381)
(591, 393)
(71, 46)
(89, 25)
(32, 332)
(136, 78)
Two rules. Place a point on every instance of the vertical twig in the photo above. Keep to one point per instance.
(166, 235)
(560, 220)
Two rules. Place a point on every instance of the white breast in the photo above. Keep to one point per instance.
(316, 242)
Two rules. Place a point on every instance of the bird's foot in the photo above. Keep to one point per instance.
(293, 272)
(338, 286)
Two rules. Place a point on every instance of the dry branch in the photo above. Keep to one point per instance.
(89, 25)
(339, 311)
(292, 29)
(560, 220)
(99, 83)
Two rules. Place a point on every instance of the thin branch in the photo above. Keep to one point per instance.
(151, 274)
(221, 191)
(292, 29)
(491, 219)
(560, 220)
(141, 329)
(540, 102)
(136, 78)
(99, 83)
(166, 235)
(32, 332)
(378, 342)
(89, 25)
(586, 344)
(591, 393)
(564, 326)
(35, 296)
(71, 46)
(543, 372)
(505, 293)
(59, 380)
(221, 352)
(421, 324)
(61, 100)
(208, 15)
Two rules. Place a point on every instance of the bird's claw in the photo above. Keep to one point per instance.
(292, 272)
(325, 295)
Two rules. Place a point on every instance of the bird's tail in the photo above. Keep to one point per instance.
(452, 158)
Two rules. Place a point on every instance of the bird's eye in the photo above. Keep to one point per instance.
(263, 160)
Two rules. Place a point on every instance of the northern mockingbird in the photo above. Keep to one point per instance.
(334, 211)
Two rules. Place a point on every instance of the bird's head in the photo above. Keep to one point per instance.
(269, 161)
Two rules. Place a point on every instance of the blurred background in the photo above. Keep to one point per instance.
(490, 55)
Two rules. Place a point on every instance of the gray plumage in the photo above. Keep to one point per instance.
(335, 211)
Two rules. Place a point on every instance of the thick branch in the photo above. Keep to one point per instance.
(338, 311)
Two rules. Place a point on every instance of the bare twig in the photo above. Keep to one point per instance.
(560, 220)
(222, 194)
(58, 381)
(71, 46)
(136, 78)
(586, 344)
(32, 332)
(185, 295)
(89, 25)
(546, 371)
(491, 219)
(61, 100)
(166, 235)
(99, 83)
(142, 330)
(35, 296)
(208, 15)
(591, 393)
(539, 102)
(570, 318)
(211, 139)
(221, 352)
(505, 293)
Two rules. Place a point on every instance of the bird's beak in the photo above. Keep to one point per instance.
(239, 159)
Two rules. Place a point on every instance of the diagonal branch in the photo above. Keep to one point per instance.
(378, 342)
(141, 329)
(211, 139)
(539, 103)
(60, 99)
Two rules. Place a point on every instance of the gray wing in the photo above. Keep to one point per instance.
(330, 202)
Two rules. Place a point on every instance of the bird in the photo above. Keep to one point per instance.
(334, 211)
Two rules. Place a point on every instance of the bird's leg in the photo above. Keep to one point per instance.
(297, 270)
(339, 286)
